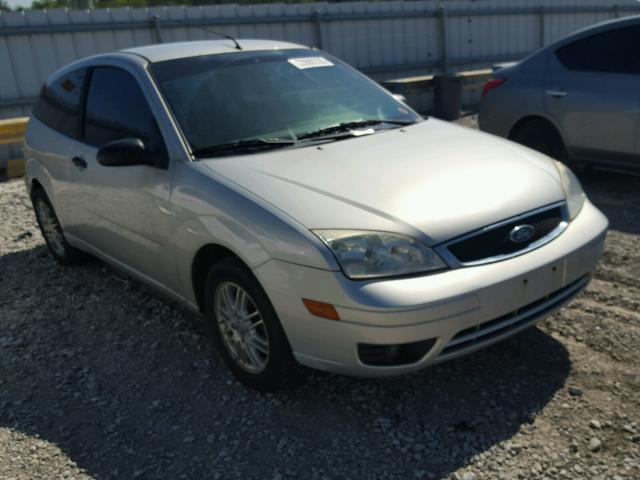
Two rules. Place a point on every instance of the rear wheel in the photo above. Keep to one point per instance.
(541, 136)
(246, 331)
(52, 230)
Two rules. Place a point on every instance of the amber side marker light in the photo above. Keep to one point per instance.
(321, 309)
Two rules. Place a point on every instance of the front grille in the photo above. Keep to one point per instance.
(495, 241)
(484, 332)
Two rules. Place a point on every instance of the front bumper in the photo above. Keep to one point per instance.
(462, 309)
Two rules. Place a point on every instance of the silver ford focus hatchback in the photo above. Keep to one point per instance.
(311, 217)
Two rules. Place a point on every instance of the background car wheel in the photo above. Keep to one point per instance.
(541, 136)
(52, 230)
(246, 331)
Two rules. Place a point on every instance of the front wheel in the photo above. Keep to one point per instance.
(246, 331)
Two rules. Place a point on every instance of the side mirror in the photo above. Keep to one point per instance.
(124, 153)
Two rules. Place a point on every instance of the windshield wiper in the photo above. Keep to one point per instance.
(253, 144)
(347, 127)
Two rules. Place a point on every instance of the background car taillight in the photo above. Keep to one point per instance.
(491, 84)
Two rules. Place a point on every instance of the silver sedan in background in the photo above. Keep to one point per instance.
(577, 100)
(309, 216)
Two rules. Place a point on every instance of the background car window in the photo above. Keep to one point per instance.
(615, 51)
(116, 108)
(59, 102)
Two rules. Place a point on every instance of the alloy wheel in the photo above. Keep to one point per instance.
(242, 327)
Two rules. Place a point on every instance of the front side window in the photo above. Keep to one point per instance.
(614, 51)
(275, 95)
(116, 109)
(59, 102)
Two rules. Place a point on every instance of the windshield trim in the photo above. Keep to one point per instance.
(310, 142)
(172, 118)
(252, 54)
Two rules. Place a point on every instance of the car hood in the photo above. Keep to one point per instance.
(433, 180)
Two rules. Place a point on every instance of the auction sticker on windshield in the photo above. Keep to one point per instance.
(309, 62)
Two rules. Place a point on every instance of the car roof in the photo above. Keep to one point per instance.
(170, 51)
(598, 28)
(577, 35)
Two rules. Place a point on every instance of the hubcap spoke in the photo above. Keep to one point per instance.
(256, 324)
(243, 330)
(259, 344)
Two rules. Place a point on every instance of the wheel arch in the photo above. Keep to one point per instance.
(36, 185)
(37, 176)
(532, 118)
(207, 256)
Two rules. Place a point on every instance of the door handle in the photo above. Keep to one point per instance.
(79, 162)
(556, 92)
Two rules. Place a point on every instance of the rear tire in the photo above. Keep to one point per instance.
(246, 331)
(52, 230)
(539, 135)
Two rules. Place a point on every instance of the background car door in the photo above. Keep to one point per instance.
(125, 210)
(592, 92)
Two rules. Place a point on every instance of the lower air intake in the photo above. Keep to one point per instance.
(394, 355)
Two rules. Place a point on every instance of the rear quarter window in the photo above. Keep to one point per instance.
(59, 103)
(613, 51)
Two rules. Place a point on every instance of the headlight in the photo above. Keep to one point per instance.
(364, 254)
(572, 190)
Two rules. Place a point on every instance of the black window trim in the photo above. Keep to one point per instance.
(83, 89)
(588, 36)
(164, 164)
(83, 104)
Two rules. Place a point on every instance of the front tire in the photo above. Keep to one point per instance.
(52, 230)
(246, 331)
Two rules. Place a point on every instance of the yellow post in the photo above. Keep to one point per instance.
(12, 130)
(15, 168)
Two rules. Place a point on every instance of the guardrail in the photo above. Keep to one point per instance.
(420, 92)
(11, 133)
(379, 37)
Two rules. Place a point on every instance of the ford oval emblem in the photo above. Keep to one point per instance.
(522, 233)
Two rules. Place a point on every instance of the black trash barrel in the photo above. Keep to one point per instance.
(447, 97)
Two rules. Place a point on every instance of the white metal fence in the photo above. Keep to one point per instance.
(385, 39)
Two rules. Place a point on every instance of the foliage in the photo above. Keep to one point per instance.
(42, 4)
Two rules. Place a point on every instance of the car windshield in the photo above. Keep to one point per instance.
(223, 99)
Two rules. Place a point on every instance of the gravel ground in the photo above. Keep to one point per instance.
(100, 378)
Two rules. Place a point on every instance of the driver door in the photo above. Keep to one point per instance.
(123, 211)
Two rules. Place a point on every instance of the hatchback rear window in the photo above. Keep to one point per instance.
(59, 102)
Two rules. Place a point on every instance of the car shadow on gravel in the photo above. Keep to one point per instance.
(126, 386)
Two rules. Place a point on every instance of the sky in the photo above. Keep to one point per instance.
(19, 3)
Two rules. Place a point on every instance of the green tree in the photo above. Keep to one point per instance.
(3, 6)
(42, 4)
